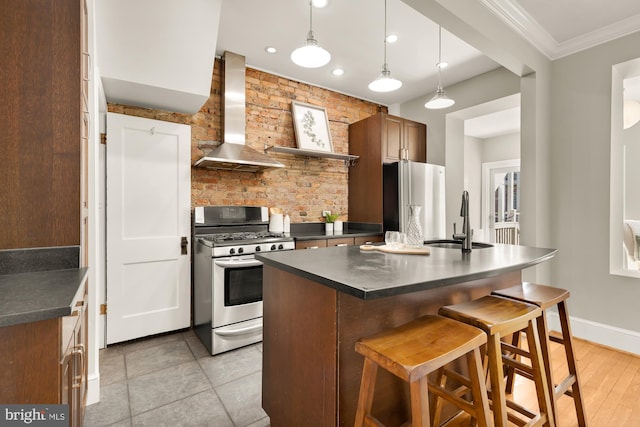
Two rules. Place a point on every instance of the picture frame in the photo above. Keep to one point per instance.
(311, 127)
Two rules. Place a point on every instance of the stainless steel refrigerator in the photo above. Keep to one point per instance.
(411, 183)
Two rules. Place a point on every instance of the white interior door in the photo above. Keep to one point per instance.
(148, 215)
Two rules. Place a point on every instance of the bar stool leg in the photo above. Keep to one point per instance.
(494, 351)
(543, 335)
(571, 362)
(542, 387)
(420, 402)
(367, 388)
(478, 390)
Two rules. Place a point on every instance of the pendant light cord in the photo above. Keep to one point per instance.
(439, 57)
(385, 34)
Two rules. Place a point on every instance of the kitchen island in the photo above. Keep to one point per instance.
(317, 303)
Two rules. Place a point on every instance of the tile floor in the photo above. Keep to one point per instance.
(171, 380)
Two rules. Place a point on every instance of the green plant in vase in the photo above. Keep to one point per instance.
(330, 218)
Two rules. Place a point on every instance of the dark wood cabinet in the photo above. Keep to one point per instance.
(41, 123)
(379, 139)
(46, 361)
(337, 241)
(401, 139)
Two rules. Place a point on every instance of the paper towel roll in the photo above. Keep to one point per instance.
(276, 223)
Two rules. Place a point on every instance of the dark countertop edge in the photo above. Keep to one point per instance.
(380, 293)
(315, 230)
(46, 313)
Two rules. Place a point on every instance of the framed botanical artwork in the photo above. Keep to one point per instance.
(311, 126)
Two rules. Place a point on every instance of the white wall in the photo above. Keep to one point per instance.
(580, 128)
(473, 151)
(158, 54)
(499, 148)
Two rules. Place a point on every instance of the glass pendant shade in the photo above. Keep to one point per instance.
(384, 82)
(440, 100)
(310, 55)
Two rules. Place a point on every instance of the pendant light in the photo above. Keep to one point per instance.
(440, 100)
(384, 82)
(310, 55)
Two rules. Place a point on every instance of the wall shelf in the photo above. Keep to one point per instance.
(347, 158)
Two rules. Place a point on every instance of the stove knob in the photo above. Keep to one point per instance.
(240, 250)
(273, 247)
(280, 246)
(258, 249)
(232, 251)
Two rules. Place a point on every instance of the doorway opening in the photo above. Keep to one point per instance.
(501, 201)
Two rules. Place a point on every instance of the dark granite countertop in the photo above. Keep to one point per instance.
(41, 295)
(315, 230)
(38, 283)
(372, 274)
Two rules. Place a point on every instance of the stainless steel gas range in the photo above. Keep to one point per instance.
(227, 306)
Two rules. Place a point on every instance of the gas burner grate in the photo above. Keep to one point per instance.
(240, 236)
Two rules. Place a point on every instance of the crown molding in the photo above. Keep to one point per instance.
(510, 12)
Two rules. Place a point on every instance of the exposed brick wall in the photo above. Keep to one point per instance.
(306, 185)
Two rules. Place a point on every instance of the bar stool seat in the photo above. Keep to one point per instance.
(546, 297)
(499, 317)
(414, 350)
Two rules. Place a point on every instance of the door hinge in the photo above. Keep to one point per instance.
(103, 138)
(103, 309)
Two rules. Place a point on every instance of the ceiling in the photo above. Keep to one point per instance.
(353, 32)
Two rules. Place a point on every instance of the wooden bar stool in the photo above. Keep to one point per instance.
(500, 317)
(545, 297)
(414, 350)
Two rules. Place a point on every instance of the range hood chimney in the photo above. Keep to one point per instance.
(233, 154)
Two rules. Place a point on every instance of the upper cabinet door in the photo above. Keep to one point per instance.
(391, 139)
(415, 141)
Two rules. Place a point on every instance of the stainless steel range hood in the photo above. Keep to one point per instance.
(233, 154)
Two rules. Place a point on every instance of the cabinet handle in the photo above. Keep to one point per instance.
(77, 379)
(312, 247)
(341, 244)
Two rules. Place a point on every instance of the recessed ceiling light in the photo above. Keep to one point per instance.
(392, 38)
(319, 3)
(270, 49)
(337, 71)
(442, 64)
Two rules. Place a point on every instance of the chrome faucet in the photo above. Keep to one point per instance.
(467, 232)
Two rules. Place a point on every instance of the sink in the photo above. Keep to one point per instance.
(455, 244)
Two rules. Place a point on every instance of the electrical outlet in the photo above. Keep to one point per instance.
(325, 213)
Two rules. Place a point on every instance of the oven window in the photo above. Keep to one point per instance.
(242, 285)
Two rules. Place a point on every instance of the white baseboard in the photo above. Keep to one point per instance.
(610, 336)
(93, 391)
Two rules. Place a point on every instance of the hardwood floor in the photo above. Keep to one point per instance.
(610, 381)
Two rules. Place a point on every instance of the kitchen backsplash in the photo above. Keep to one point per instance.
(306, 185)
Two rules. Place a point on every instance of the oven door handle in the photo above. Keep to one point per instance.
(237, 263)
(239, 331)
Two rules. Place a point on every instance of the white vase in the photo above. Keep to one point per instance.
(328, 227)
(337, 226)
